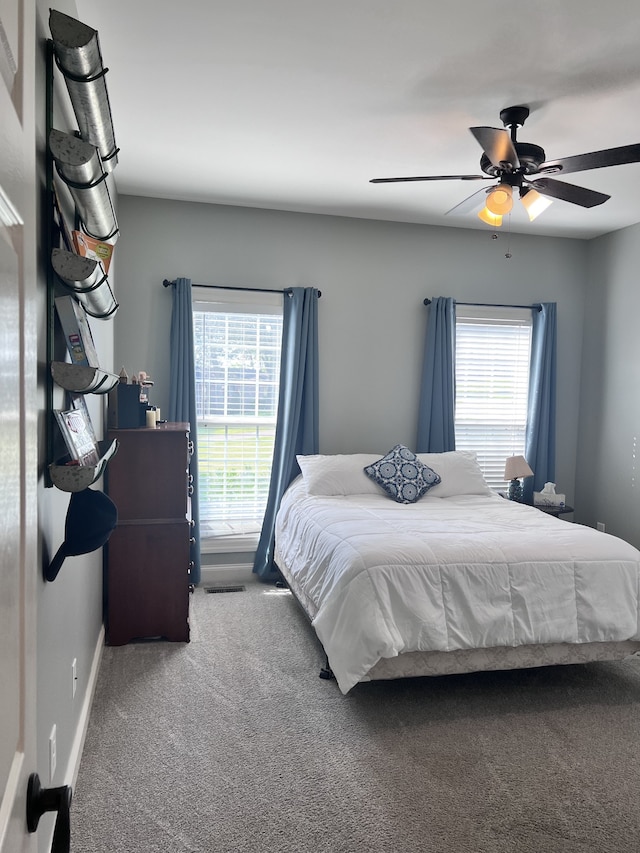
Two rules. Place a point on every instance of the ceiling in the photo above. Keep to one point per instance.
(296, 104)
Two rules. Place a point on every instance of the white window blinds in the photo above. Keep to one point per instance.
(237, 364)
(493, 348)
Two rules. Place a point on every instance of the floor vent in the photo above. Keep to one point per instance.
(236, 588)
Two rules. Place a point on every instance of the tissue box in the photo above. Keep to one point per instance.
(541, 499)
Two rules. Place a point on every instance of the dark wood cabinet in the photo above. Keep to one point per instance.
(147, 574)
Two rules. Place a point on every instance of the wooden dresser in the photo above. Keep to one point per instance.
(147, 569)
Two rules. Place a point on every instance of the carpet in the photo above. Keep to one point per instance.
(233, 743)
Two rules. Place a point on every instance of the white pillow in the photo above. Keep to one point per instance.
(341, 474)
(459, 473)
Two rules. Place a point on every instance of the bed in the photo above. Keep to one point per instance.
(457, 580)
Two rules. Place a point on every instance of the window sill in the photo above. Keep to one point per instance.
(234, 543)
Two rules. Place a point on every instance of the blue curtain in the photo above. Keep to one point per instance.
(297, 423)
(436, 415)
(182, 396)
(540, 441)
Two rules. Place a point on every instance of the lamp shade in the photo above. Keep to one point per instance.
(516, 467)
(500, 199)
(533, 202)
(493, 219)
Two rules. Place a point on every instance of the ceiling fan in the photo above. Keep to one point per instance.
(515, 163)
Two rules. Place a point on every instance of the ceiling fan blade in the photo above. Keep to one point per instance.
(432, 178)
(568, 192)
(469, 204)
(593, 160)
(497, 145)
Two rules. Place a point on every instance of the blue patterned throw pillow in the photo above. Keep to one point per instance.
(402, 475)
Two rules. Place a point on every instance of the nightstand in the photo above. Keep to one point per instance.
(550, 510)
(555, 510)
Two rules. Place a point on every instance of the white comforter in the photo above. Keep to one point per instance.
(451, 573)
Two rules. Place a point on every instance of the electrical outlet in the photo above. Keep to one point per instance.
(53, 757)
(74, 677)
(600, 526)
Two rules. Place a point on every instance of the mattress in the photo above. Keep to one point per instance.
(451, 574)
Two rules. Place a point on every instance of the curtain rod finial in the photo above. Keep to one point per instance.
(427, 301)
(167, 283)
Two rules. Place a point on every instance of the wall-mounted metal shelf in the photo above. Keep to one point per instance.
(77, 168)
(80, 379)
(86, 279)
(76, 478)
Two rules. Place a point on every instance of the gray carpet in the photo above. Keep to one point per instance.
(233, 743)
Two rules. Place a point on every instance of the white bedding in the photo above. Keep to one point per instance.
(465, 572)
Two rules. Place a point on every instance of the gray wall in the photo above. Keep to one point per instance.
(609, 433)
(373, 277)
(70, 609)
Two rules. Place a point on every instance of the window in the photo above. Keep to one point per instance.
(493, 347)
(237, 366)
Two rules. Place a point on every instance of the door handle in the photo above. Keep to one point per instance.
(41, 800)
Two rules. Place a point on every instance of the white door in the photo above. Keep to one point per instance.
(18, 416)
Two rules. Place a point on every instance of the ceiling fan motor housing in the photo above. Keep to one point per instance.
(530, 156)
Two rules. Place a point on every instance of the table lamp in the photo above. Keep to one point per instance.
(515, 468)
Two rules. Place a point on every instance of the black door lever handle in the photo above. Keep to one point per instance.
(41, 800)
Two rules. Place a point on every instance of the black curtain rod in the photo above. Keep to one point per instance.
(167, 283)
(427, 301)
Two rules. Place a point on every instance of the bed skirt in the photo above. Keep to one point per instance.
(414, 664)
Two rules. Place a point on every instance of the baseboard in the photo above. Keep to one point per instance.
(83, 722)
(227, 574)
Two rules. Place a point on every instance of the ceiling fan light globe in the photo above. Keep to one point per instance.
(493, 219)
(500, 199)
(534, 203)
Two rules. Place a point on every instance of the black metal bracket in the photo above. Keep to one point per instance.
(326, 672)
(49, 237)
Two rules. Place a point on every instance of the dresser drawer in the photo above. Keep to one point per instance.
(147, 591)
